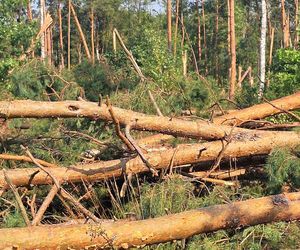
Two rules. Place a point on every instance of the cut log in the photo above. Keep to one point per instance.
(125, 234)
(243, 144)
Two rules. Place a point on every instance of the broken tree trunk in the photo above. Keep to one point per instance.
(259, 111)
(242, 145)
(125, 234)
(82, 36)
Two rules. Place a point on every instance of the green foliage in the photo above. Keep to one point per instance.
(14, 219)
(15, 35)
(285, 78)
(283, 168)
(94, 79)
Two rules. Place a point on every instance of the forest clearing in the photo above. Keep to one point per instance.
(149, 124)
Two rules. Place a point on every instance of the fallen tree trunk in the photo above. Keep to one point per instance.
(125, 234)
(140, 121)
(242, 145)
(260, 111)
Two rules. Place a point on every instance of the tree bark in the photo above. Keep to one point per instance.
(296, 40)
(42, 14)
(176, 27)
(198, 32)
(61, 43)
(126, 234)
(69, 34)
(241, 145)
(92, 35)
(232, 51)
(204, 36)
(263, 36)
(139, 121)
(169, 24)
(285, 25)
(260, 111)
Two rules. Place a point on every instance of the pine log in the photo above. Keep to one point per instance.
(125, 234)
(242, 145)
(140, 121)
(260, 111)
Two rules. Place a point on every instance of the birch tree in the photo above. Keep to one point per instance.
(263, 48)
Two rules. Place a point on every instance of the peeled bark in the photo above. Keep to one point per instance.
(243, 144)
(125, 234)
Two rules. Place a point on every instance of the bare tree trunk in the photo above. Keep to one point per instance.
(79, 53)
(68, 109)
(61, 43)
(271, 54)
(255, 143)
(69, 34)
(42, 14)
(176, 27)
(263, 37)
(126, 234)
(217, 68)
(92, 35)
(232, 51)
(285, 26)
(228, 28)
(296, 40)
(204, 37)
(86, 48)
(29, 12)
(169, 24)
(198, 32)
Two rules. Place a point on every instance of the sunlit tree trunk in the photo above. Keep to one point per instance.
(296, 40)
(82, 36)
(92, 35)
(204, 37)
(61, 44)
(29, 13)
(232, 50)
(69, 34)
(198, 31)
(217, 69)
(285, 25)
(169, 24)
(176, 27)
(263, 37)
(42, 14)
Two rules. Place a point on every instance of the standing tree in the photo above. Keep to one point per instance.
(263, 36)
(232, 49)
(169, 24)
(61, 44)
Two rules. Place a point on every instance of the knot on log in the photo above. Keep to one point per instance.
(73, 108)
(280, 200)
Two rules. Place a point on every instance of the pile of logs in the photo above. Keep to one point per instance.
(237, 135)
